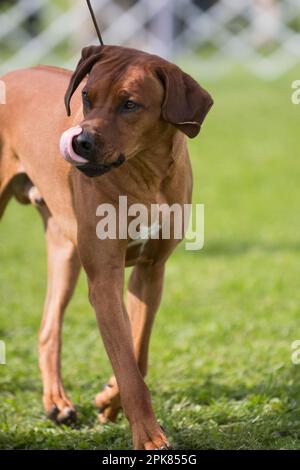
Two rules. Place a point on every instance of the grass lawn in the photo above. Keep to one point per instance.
(221, 374)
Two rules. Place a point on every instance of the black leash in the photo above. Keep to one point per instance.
(95, 22)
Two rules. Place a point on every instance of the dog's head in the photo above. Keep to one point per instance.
(129, 100)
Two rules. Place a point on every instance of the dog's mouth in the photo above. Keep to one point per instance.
(85, 166)
(92, 170)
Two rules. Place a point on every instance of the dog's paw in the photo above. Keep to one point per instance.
(60, 410)
(65, 416)
(159, 443)
(108, 403)
(146, 438)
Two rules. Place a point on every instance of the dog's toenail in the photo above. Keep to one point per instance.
(53, 412)
(165, 447)
(67, 416)
(107, 386)
(68, 412)
(102, 409)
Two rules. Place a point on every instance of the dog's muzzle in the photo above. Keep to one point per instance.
(92, 170)
(73, 141)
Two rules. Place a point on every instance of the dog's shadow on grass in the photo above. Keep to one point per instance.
(265, 415)
(205, 422)
(87, 415)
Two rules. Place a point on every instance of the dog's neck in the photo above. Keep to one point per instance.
(147, 171)
(142, 177)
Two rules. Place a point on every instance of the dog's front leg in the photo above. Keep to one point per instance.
(143, 298)
(104, 264)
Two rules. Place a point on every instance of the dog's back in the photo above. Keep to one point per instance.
(30, 145)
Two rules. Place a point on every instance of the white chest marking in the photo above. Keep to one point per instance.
(146, 233)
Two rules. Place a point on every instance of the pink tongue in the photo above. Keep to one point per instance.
(66, 146)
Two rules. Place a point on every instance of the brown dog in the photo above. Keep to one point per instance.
(134, 111)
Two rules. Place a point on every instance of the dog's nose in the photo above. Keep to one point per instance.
(83, 145)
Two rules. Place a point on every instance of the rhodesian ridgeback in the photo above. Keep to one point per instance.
(124, 133)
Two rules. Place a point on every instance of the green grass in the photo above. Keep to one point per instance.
(221, 374)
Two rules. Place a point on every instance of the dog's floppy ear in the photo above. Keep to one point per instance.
(89, 56)
(186, 103)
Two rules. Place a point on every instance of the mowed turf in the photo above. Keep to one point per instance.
(220, 374)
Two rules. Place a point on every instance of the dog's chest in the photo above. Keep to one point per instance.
(146, 233)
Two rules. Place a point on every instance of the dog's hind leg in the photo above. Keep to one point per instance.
(8, 170)
(143, 299)
(5, 195)
(63, 270)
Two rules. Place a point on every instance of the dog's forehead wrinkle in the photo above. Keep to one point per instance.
(118, 60)
(133, 80)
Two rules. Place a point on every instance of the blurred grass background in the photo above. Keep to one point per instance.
(221, 374)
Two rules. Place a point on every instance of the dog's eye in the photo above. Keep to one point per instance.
(85, 99)
(130, 105)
